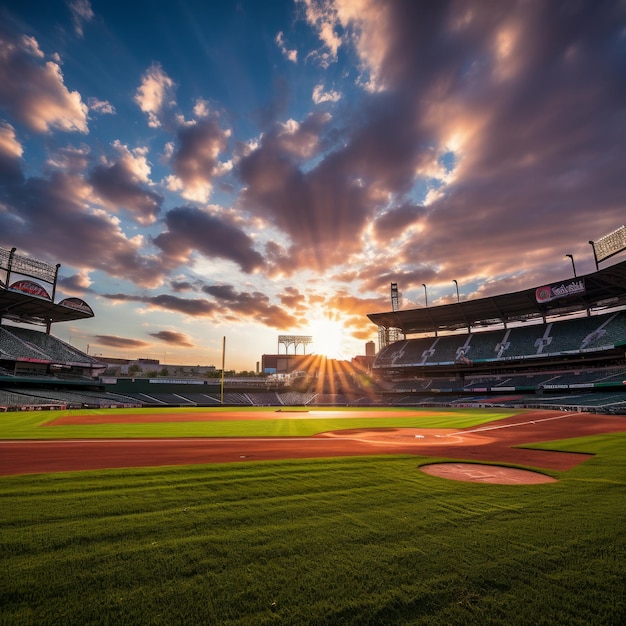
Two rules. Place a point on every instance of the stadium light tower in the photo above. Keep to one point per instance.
(425, 294)
(457, 290)
(571, 257)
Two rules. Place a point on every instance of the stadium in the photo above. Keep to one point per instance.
(470, 472)
(559, 346)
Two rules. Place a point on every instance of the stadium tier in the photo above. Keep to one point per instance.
(604, 333)
(561, 345)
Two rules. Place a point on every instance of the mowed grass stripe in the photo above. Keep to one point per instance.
(325, 541)
(34, 425)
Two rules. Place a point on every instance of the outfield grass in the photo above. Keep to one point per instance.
(31, 425)
(329, 541)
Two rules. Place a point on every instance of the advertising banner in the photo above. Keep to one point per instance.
(572, 287)
(78, 304)
(31, 288)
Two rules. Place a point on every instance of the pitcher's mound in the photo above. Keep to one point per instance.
(475, 473)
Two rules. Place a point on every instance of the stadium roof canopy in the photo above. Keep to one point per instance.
(600, 290)
(23, 307)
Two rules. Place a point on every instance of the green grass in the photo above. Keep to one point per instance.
(31, 425)
(330, 541)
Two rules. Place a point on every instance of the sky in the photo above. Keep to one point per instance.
(251, 169)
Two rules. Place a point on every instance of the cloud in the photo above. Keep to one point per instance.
(322, 16)
(198, 307)
(113, 341)
(292, 299)
(53, 215)
(228, 305)
(173, 338)
(155, 95)
(33, 91)
(76, 284)
(100, 106)
(119, 184)
(181, 285)
(82, 14)
(320, 96)
(255, 306)
(10, 156)
(9, 145)
(325, 209)
(190, 229)
(394, 222)
(194, 159)
(290, 55)
(504, 116)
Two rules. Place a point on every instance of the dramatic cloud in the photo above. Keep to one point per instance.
(121, 184)
(325, 210)
(32, 89)
(410, 141)
(228, 305)
(214, 236)
(52, 215)
(394, 222)
(195, 159)
(254, 305)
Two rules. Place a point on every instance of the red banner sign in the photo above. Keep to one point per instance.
(31, 288)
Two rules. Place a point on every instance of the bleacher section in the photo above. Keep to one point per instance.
(55, 349)
(76, 399)
(41, 345)
(12, 347)
(570, 336)
(22, 399)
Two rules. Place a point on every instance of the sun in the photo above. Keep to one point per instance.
(329, 336)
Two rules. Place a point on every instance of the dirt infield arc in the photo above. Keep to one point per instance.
(495, 442)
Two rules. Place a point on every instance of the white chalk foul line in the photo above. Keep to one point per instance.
(487, 428)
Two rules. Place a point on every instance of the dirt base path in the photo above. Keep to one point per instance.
(493, 442)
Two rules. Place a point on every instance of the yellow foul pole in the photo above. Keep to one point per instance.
(223, 368)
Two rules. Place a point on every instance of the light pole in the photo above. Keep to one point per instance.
(457, 290)
(425, 294)
(595, 256)
(571, 256)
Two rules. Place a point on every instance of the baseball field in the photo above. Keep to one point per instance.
(325, 516)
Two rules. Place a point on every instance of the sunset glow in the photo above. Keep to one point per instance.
(330, 338)
(250, 169)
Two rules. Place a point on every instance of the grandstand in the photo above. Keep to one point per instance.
(558, 346)
(37, 369)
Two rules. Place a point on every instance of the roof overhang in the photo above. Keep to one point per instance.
(19, 306)
(605, 288)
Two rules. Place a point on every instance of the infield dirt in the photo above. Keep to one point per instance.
(495, 442)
